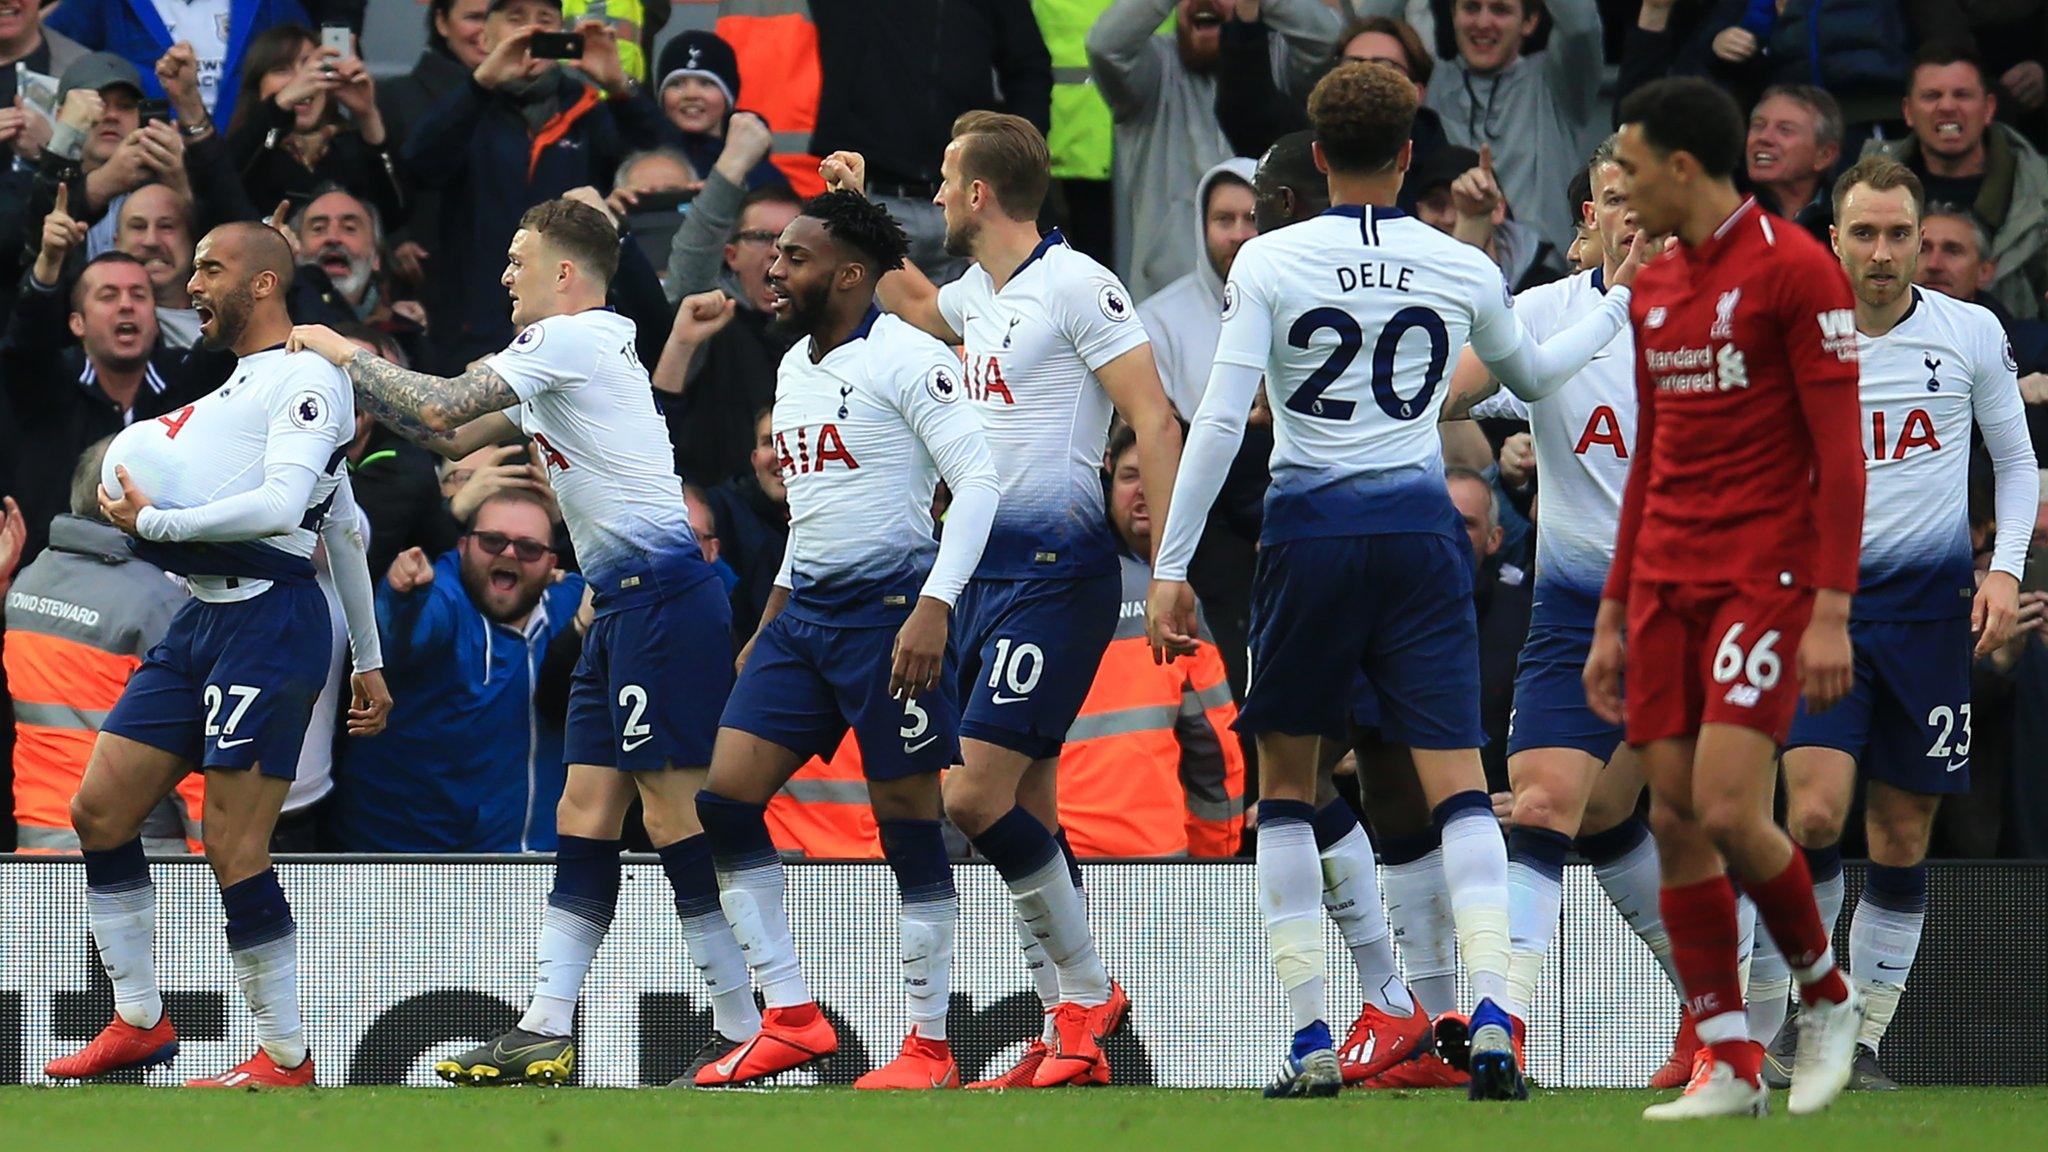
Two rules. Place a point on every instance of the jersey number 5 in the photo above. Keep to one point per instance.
(1308, 399)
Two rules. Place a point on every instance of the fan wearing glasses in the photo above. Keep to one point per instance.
(467, 634)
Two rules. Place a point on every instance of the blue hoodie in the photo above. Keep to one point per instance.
(134, 31)
(465, 764)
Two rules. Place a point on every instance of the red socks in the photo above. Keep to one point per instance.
(1700, 920)
(1785, 904)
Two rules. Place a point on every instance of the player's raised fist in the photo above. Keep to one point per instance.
(369, 704)
(410, 570)
(702, 316)
(322, 341)
(845, 170)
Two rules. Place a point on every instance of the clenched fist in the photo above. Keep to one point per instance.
(411, 570)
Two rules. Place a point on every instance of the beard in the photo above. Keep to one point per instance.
(230, 318)
(960, 238)
(805, 310)
(357, 279)
(503, 606)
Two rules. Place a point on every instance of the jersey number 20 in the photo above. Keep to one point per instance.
(1308, 399)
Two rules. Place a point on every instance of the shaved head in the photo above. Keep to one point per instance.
(240, 274)
(256, 248)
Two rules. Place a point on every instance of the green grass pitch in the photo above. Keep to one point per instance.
(840, 1120)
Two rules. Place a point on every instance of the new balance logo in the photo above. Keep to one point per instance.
(1838, 333)
(1743, 695)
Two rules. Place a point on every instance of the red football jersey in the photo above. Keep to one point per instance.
(1747, 462)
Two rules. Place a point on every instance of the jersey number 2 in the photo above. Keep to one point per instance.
(1308, 399)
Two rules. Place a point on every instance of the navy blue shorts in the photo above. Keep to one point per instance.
(1550, 696)
(651, 682)
(233, 685)
(805, 684)
(1025, 652)
(1396, 607)
(1907, 719)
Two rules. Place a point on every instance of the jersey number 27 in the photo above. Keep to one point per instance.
(1308, 399)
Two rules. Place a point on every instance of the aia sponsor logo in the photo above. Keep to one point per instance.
(806, 451)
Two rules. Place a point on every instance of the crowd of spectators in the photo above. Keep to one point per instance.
(132, 127)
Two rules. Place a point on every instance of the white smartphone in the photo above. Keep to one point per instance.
(337, 37)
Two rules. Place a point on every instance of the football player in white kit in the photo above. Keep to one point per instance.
(1353, 319)
(644, 703)
(1933, 368)
(1575, 782)
(233, 492)
(869, 414)
(1054, 345)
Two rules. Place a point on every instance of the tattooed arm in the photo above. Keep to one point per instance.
(450, 416)
(453, 417)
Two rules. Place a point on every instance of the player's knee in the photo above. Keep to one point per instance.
(1728, 821)
(1541, 806)
(1670, 821)
(96, 825)
(1813, 825)
(970, 804)
(1898, 839)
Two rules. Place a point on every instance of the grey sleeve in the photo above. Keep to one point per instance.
(1308, 29)
(1122, 58)
(697, 254)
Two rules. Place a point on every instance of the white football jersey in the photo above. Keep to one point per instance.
(589, 406)
(1356, 317)
(1582, 434)
(862, 437)
(1032, 352)
(1941, 368)
(277, 407)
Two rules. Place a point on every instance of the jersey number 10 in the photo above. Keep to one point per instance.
(1308, 399)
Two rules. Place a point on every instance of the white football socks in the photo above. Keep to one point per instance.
(124, 926)
(1054, 914)
(1290, 898)
(268, 975)
(927, 929)
(1420, 917)
(1475, 869)
(1351, 895)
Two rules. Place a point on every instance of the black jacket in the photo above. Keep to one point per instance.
(712, 422)
(270, 173)
(897, 73)
(475, 147)
(752, 532)
(58, 411)
(399, 491)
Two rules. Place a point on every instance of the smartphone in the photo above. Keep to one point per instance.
(555, 46)
(150, 110)
(337, 37)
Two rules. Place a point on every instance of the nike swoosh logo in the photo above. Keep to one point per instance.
(1882, 966)
(999, 698)
(911, 748)
(629, 745)
(251, 739)
(503, 1054)
(1958, 765)
(731, 1062)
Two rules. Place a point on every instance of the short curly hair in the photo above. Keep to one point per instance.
(1362, 114)
(863, 225)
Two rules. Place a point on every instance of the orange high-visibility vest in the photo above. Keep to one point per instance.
(78, 622)
(1151, 767)
(780, 77)
(823, 811)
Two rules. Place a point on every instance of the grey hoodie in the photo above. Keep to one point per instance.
(1185, 318)
(1542, 113)
(1166, 129)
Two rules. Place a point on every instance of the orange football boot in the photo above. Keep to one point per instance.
(922, 1064)
(120, 1045)
(789, 1038)
(259, 1071)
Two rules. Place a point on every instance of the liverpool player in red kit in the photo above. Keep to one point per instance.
(1732, 573)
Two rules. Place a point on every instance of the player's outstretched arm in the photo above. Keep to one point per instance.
(426, 409)
(1532, 370)
(907, 292)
